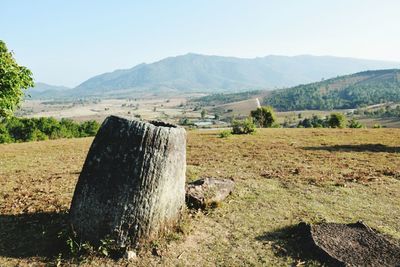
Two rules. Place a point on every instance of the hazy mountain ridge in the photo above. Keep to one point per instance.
(203, 73)
(47, 90)
(193, 72)
(41, 87)
(349, 91)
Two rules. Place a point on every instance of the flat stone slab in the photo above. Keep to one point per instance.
(208, 192)
(353, 244)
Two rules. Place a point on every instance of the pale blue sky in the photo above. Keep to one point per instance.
(65, 42)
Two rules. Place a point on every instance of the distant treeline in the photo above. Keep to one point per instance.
(386, 112)
(310, 98)
(334, 120)
(345, 92)
(219, 99)
(34, 129)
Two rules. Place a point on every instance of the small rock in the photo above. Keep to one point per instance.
(208, 192)
(130, 255)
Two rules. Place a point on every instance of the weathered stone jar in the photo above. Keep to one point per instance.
(132, 185)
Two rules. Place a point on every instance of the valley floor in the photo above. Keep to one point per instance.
(283, 176)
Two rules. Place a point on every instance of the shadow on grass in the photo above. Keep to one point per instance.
(357, 148)
(294, 241)
(32, 234)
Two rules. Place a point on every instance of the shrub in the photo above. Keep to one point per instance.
(37, 135)
(47, 125)
(264, 116)
(377, 126)
(89, 128)
(5, 138)
(22, 129)
(225, 134)
(276, 125)
(246, 126)
(353, 123)
(337, 120)
(68, 128)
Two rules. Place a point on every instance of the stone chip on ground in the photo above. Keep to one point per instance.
(130, 255)
(207, 192)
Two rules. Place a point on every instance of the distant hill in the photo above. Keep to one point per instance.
(350, 91)
(41, 87)
(47, 90)
(201, 73)
(220, 98)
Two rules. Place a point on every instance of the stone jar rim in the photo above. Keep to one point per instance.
(154, 123)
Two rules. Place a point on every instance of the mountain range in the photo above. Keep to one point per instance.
(203, 73)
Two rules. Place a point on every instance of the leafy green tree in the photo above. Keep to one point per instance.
(185, 122)
(4, 135)
(264, 116)
(337, 120)
(313, 122)
(13, 79)
(203, 114)
(306, 123)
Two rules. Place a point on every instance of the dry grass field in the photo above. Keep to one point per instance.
(283, 176)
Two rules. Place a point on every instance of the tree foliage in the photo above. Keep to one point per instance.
(313, 122)
(15, 129)
(334, 120)
(13, 79)
(203, 114)
(264, 116)
(383, 112)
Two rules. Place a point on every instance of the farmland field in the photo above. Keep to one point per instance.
(282, 176)
(99, 109)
